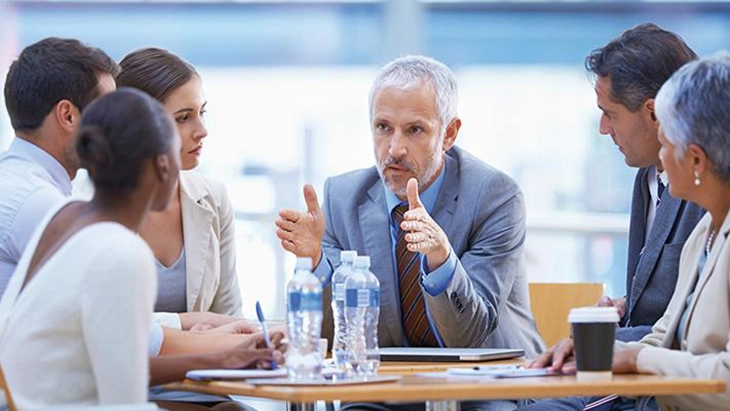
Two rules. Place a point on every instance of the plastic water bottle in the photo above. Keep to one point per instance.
(339, 345)
(304, 308)
(362, 301)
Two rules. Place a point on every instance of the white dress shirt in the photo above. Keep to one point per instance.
(32, 182)
(653, 185)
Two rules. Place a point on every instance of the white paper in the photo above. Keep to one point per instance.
(220, 374)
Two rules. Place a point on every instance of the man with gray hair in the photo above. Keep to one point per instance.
(444, 230)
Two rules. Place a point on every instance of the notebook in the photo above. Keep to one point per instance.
(447, 354)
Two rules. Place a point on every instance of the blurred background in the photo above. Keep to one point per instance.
(287, 84)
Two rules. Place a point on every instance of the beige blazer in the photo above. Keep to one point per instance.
(704, 352)
(210, 246)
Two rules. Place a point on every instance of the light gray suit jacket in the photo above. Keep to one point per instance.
(481, 210)
(704, 351)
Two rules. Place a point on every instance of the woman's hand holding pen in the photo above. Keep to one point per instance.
(254, 353)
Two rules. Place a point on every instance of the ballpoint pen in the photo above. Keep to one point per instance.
(265, 330)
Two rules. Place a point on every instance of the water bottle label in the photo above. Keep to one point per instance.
(340, 292)
(305, 302)
(375, 298)
(362, 297)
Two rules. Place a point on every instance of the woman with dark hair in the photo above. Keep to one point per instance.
(74, 319)
(193, 240)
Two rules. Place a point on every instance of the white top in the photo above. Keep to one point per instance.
(77, 333)
(31, 181)
(653, 184)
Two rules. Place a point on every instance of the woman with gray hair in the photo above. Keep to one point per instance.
(692, 338)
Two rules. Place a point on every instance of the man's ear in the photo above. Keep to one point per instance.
(67, 115)
(452, 130)
(162, 167)
(649, 107)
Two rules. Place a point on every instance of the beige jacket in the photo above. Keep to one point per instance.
(704, 352)
(210, 249)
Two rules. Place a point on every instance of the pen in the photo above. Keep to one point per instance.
(265, 330)
(500, 367)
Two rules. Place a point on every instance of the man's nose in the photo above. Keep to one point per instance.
(603, 126)
(398, 145)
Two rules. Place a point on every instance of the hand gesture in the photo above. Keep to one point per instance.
(301, 232)
(557, 358)
(619, 303)
(425, 236)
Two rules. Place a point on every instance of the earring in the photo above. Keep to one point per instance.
(697, 178)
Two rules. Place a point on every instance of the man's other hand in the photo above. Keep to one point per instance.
(301, 232)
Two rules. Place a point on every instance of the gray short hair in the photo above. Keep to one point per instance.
(411, 72)
(693, 106)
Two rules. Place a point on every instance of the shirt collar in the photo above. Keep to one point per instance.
(428, 197)
(664, 177)
(26, 149)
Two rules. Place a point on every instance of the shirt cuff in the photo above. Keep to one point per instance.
(156, 338)
(169, 320)
(438, 280)
(324, 271)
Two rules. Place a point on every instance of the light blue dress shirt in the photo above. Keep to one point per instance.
(31, 181)
(434, 282)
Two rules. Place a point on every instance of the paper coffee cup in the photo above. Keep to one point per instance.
(594, 333)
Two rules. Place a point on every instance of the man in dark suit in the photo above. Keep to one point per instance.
(629, 71)
(444, 230)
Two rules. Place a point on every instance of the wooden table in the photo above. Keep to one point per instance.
(446, 393)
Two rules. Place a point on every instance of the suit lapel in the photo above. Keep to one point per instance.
(637, 230)
(664, 220)
(197, 218)
(445, 207)
(375, 228)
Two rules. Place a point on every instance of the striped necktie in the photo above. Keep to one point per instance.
(660, 190)
(413, 310)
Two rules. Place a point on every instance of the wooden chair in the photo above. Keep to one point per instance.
(5, 390)
(551, 303)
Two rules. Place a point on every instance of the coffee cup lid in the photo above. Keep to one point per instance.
(593, 315)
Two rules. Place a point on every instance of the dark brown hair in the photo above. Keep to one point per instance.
(638, 62)
(155, 71)
(49, 71)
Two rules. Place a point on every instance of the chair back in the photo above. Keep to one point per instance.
(6, 392)
(551, 303)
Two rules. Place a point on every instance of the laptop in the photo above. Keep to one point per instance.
(447, 354)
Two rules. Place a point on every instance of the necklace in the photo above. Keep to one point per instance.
(708, 246)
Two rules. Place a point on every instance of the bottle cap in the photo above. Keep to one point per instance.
(362, 261)
(348, 256)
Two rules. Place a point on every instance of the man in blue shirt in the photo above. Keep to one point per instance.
(46, 89)
(444, 230)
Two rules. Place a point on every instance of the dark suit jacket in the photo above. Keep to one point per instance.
(653, 264)
(482, 212)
